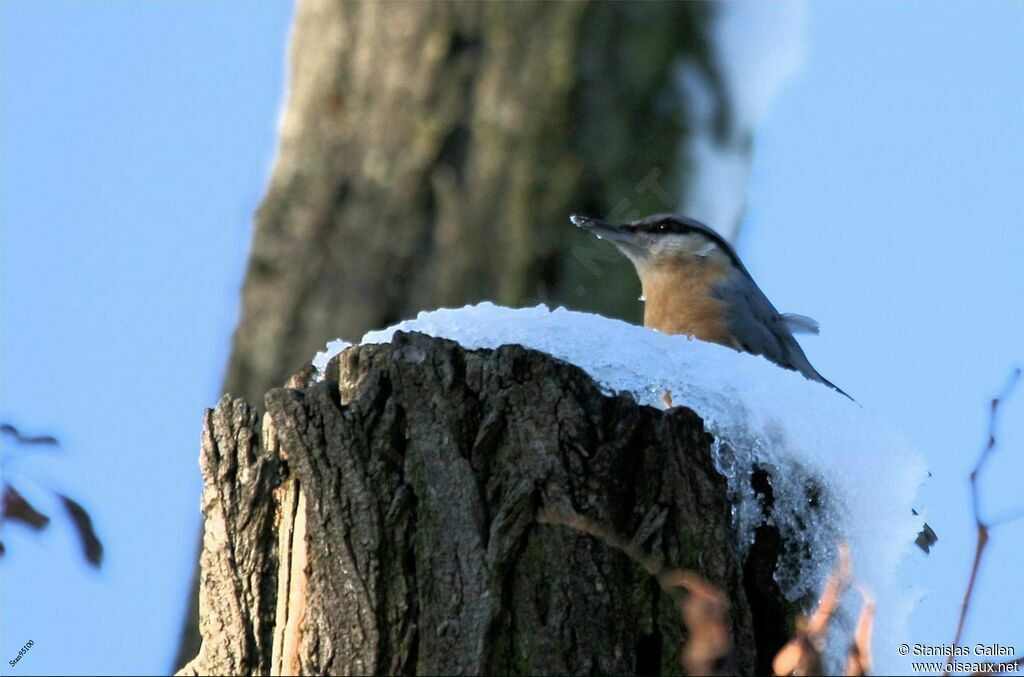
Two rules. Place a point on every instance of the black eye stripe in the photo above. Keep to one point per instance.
(671, 224)
(665, 227)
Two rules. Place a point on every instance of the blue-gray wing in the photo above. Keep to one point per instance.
(760, 329)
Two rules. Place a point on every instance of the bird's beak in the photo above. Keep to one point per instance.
(602, 229)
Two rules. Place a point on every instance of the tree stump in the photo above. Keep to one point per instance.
(385, 521)
(430, 154)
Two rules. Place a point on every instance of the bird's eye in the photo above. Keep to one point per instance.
(662, 227)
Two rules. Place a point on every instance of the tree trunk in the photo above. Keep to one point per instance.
(385, 521)
(431, 153)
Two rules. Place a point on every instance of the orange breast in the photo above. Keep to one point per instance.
(678, 300)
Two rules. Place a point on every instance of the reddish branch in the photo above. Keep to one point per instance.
(982, 526)
(802, 654)
(858, 658)
(704, 609)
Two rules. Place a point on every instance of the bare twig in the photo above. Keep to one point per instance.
(705, 612)
(798, 657)
(577, 522)
(982, 526)
(858, 658)
(835, 588)
(704, 609)
(802, 654)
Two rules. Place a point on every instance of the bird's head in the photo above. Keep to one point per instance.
(662, 240)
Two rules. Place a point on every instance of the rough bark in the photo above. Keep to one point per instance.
(238, 568)
(385, 522)
(431, 152)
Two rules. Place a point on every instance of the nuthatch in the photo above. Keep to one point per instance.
(695, 284)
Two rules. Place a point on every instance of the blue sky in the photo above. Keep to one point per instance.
(136, 143)
(885, 202)
(137, 140)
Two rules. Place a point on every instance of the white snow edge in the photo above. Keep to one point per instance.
(761, 413)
